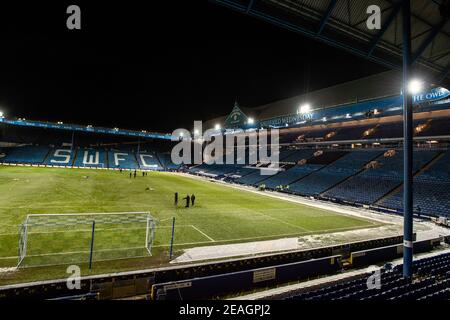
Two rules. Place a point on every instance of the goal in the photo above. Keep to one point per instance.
(70, 238)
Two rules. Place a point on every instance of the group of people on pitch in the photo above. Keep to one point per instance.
(189, 200)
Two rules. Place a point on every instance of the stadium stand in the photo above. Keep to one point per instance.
(384, 174)
(432, 281)
(166, 161)
(60, 156)
(122, 159)
(436, 127)
(25, 154)
(321, 180)
(289, 176)
(431, 196)
(91, 158)
(148, 160)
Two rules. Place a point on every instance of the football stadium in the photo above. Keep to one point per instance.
(351, 201)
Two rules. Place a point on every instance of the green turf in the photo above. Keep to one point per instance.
(221, 215)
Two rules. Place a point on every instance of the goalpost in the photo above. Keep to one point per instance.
(69, 238)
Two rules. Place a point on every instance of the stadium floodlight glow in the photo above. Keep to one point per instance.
(1, 114)
(250, 121)
(304, 108)
(196, 132)
(415, 86)
(181, 134)
(217, 126)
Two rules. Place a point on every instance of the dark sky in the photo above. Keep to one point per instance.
(155, 65)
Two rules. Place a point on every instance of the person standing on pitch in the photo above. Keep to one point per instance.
(130, 174)
(193, 199)
(188, 200)
(135, 173)
(176, 198)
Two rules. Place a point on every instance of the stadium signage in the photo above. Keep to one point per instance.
(434, 94)
(289, 119)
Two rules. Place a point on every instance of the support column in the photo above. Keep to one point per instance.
(407, 145)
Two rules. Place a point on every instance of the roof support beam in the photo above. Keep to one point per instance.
(443, 74)
(326, 16)
(301, 30)
(250, 5)
(373, 44)
(434, 31)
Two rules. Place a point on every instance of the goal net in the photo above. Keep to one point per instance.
(54, 239)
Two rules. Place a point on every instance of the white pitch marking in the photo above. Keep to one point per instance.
(203, 233)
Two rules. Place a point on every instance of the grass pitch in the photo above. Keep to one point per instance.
(221, 214)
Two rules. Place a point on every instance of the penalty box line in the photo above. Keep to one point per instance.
(211, 239)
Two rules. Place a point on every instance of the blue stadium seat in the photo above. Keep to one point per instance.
(25, 154)
(149, 161)
(60, 156)
(431, 190)
(122, 159)
(377, 182)
(91, 158)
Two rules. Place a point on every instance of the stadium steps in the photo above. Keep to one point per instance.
(47, 156)
(137, 160)
(323, 167)
(106, 159)
(351, 176)
(419, 172)
(75, 156)
(306, 175)
(159, 161)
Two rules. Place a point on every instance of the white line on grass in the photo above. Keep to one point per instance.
(202, 233)
(298, 234)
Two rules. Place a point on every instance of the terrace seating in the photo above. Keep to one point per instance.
(346, 166)
(25, 154)
(350, 133)
(298, 155)
(60, 156)
(431, 190)
(122, 159)
(431, 281)
(386, 130)
(437, 127)
(166, 161)
(376, 182)
(91, 158)
(289, 176)
(148, 160)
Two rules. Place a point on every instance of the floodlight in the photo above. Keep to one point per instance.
(304, 108)
(415, 86)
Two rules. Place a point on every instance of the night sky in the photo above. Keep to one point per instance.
(154, 66)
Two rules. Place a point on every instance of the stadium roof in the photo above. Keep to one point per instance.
(379, 85)
(342, 24)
